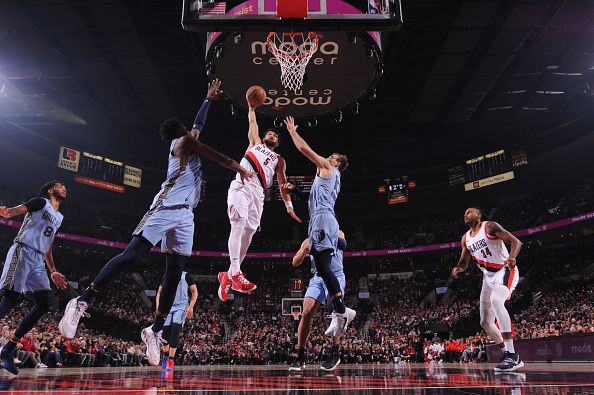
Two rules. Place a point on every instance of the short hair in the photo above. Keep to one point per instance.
(43, 191)
(278, 135)
(481, 212)
(169, 129)
(343, 162)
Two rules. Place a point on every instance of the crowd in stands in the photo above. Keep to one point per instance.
(395, 325)
(519, 213)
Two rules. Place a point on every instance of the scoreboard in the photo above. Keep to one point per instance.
(397, 189)
(98, 171)
(304, 183)
(485, 170)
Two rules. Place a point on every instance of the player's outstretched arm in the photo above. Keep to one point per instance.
(281, 177)
(58, 278)
(303, 147)
(9, 212)
(200, 120)
(191, 144)
(301, 253)
(253, 129)
(193, 299)
(495, 230)
(463, 261)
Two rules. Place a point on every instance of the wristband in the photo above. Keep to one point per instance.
(289, 205)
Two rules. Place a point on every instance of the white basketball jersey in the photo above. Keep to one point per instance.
(261, 160)
(490, 253)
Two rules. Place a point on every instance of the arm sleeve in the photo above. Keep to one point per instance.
(190, 279)
(35, 204)
(200, 119)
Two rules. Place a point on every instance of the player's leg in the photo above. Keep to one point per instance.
(487, 315)
(29, 275)
(314, 296)
(166, 336)
(174, 337)
(502, 292)
(76, 308)
(177, 242)
(238, 203)
(11, 274)
(333, 360)
(323, 234)
(256, 204)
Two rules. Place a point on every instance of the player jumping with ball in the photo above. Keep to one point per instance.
(246, 199)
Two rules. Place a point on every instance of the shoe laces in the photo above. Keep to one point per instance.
(81, 311)
(242, 279)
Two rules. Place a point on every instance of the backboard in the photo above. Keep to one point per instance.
(290, 304)
(261, 15)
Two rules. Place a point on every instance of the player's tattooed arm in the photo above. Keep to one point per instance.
(281, 177)
(301, 253)
(463, 261)
(58, 278)
(321, 162)
(493, 229)
(253, 129)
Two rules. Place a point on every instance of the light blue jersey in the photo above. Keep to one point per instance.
(335, 264)
(324, 192)
(183, 183)
(323, 226)
(39, 228)
(181, 294)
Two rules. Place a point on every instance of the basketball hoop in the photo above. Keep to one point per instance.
(293, 50)
(296, 313)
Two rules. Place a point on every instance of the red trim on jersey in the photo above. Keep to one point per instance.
(487, 234)
(510, 281)
(490, 264)
(259, 168)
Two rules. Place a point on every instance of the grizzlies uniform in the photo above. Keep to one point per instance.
(177, 314)
(323, 226)
(170, 218)
(246, 199)
(24, 268)
(317, 289)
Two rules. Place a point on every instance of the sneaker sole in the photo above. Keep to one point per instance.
(245, 292)
(332, 368)
(220, 293)
(62, 323)
(512, 369)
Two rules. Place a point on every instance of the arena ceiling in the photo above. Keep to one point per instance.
(460, 78)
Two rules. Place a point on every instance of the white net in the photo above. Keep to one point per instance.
(293, 52)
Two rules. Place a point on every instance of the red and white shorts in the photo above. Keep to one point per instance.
(245, 201)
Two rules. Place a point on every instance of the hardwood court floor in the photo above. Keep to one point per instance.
(416, 379)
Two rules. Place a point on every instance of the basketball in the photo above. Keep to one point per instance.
(255, 96)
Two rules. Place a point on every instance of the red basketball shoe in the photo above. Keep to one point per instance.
(241, 284)
(225, 286)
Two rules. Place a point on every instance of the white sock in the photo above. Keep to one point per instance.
(508, 345)
(246, 240)
(235, 239)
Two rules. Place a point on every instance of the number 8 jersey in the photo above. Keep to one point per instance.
(490, 253)
(40, 225)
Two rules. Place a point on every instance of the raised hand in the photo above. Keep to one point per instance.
(245, 174)
(4, 212)
(290, 123)
(213, 89)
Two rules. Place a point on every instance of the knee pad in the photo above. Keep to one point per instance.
(175, 332)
